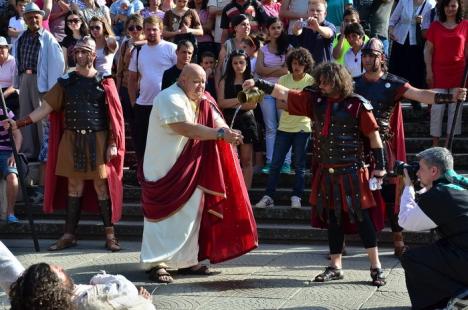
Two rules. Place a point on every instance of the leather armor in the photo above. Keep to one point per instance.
(85, 109)
(382, 94)
(343, 144)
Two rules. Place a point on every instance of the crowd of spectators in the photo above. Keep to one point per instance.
(138, 40)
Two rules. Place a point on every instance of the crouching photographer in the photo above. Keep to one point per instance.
(438, 271)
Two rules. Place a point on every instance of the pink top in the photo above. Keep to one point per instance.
(203, 14)
(45, 22)
(272, 9)
(7, 72)
(272, 60)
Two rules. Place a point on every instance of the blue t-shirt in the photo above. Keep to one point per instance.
(320, 48)
(135, 6)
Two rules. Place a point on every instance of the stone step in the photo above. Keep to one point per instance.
(130, 230)
(414, 145)
(409, 114)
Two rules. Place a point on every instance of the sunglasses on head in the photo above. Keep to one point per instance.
(94, 27)
(73, 21)
(238, 52)
(133, 28)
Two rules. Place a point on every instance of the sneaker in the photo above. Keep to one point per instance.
(295, 202)
(265, 202)
(266, 169)
(286, 169)
(12, 219)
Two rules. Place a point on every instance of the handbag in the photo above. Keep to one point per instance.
(419, 38)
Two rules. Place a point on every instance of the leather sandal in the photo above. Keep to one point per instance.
(112, 244)
(378, 278)
(63, 243)
(330, 273)
(160, 275)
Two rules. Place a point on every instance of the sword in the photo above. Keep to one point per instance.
(22, 178)
(457, 111)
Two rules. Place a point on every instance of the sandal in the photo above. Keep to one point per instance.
(160, 275)
(378, 278)
(203, 270)
(112, 244)
(330, 273)
(62, 243)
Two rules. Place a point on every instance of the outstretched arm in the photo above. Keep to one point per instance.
(39, 113)
(274, 90)
(431, 97)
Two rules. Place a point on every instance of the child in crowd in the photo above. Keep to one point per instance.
(293, 131)
(354, 34)
(250, 45)
(8, 171)
(270, 65)
(237, 71)
(16, 25)
(208, 63)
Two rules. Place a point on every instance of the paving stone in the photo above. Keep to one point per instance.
(181, 302)
(242, 303)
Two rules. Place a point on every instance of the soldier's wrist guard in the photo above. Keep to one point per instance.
(265, 86)
(24, 122)
(379, 157)
(441, 98)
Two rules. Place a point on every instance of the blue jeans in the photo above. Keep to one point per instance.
(271, 116)
(283, 143)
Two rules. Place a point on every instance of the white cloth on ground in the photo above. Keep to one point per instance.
(10, 268)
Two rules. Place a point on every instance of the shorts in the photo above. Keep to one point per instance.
(5, 170)
(437, 116)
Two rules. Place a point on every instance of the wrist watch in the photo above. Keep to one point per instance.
(220, 134)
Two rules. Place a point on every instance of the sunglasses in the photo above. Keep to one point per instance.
(73, 21)
(94, 28)
(133, 28)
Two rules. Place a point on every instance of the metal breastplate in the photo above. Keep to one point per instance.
(85, 109)
(343, 144)
(382, 94)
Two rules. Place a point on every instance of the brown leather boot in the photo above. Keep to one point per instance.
(112, 244)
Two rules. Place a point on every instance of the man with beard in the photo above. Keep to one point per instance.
(385, 91)
(341, 199)
(194, 198)
(84, 151)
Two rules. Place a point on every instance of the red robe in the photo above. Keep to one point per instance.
(228, 227)
(56, 187)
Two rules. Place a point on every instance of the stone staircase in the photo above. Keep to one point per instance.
(278, 224)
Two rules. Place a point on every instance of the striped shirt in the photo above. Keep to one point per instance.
(4, 138)
(28, 51)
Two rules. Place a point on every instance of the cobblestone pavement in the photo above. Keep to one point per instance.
(272, 277)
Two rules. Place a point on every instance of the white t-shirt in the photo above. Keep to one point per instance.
(104, 62)
(297, 6)
(152, 62)
(18, 25)
(353, 63)
(7, 72)
(220, 4)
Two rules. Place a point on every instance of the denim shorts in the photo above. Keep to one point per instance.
(4, 168)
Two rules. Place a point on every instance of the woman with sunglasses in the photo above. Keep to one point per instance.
(241, 26)
(153, 10)
(106, 44)
(237, 71)
(75, 29)
(135, 38)
(271, 64)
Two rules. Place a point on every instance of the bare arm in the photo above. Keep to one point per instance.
(7, 92)
(375, 141)
(65, 57)
(200, 132)
(219, 67)
(224, 36)
(112, 44)
(18, 138)
(47, 8)
(279, 91)
(338, 49)
(13, 32)
(428, 51)
(225, 103)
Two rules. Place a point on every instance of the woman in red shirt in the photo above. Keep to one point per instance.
(445, 56)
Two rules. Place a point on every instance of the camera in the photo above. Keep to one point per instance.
(412, 168)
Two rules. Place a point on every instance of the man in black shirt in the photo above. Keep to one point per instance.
(438, 271)
(184, 54)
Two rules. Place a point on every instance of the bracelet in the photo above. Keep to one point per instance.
(379, 157)
(265, 86)
(24, 122)
(440, 98)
